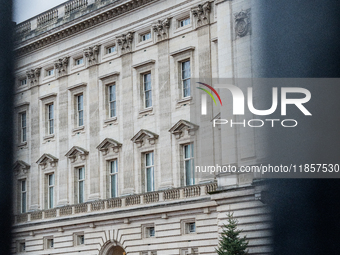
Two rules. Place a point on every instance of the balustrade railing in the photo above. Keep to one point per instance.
(100, 205)
(47, 18)
(75, 5)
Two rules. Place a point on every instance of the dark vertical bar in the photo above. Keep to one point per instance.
(6, 125)
(300, 38)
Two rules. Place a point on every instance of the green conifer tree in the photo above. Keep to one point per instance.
(230, 242)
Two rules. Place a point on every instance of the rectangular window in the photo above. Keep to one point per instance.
(81, 239)
(186, 75)
(23, 196)
(114, 178)
(81, 182)
(150, 232)
(50, 72)
(23, 82)
(184, 22)
(147, 90)
(191, 227)
(50, 191)
(22, 247)
(149, 172)
(80, 110)
(145, 37)
(23, 127)
(50, 109)
(110, 49)
(189, 164)
(112, 100)
(79, 61)
(50, 243)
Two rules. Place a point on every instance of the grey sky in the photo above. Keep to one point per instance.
(25, 9)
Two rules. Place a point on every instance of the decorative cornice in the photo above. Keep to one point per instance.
(87, 21)
(44, 97)
(76, 151)
(21, 165)
(181, 126)
(47, 158)
(148, 62)
(108, 143)
(83, 84)
(105, 76)
(22, 104)
(144, 134)
(190, 48)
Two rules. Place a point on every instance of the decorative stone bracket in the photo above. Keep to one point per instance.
(181, 126)
(107, 144)
(75, 153)
(125, 42)
(33, 76)
(61, 65)
(162, 29)
(201, 14)
(91, 54)
(45, 159)
(144, 135)
(242, 23)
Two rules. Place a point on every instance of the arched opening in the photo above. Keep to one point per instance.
(110, 248)
(117, 250)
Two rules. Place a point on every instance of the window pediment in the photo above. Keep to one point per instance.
(76, 152)
(47, 159)
(143, 135)
(181, 126)
(108, 143)
(21, 167)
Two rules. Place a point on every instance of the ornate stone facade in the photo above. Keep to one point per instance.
(104, 127)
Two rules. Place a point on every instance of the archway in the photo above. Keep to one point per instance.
(110, 248)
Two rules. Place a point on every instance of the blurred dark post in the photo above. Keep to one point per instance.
(6, 126)
(300, 38)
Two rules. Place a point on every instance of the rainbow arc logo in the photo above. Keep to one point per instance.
(204, 96)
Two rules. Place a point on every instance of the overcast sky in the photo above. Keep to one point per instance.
(25, 9)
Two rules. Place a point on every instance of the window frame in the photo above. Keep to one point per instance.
(23, 194)
(21, 82)
(81, 197)
(50, 72)
(180, 25)
(77, 63)
(146, 36)
(113, 174)
(150, 167)
(185, 79)
(50, 120)
(149, 91)
(112, 102)
(191, 160)
(108, 49)
(50, 191)
(78, 96)
(23, 127)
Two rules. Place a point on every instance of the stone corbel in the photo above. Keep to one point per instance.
(242, 23)
(201, 14)
(161, 29)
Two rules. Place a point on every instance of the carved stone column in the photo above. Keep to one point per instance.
(125, 42)
(91, 54)
(161, 29)
(201, 14)
(61, 66)
(33, 76)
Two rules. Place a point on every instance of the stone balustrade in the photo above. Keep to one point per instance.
(102, 205)
(47, 18)
(75, 5)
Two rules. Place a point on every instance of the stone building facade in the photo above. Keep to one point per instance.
(105, 147)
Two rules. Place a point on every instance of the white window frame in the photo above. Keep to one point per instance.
(49, 243)
(145, 36)
(147, 91)
(23, 196)
(191, 160)
(78, 60)
(50, 72)
(81, 185)
(80, 110)
(23, 82)
(149, 167)
(111, 49)
(185, 79)
(112, 98)
(50, 118)
(22, 246)
(113, 173)
(23, 127)
(50, 190)
(183, 22)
